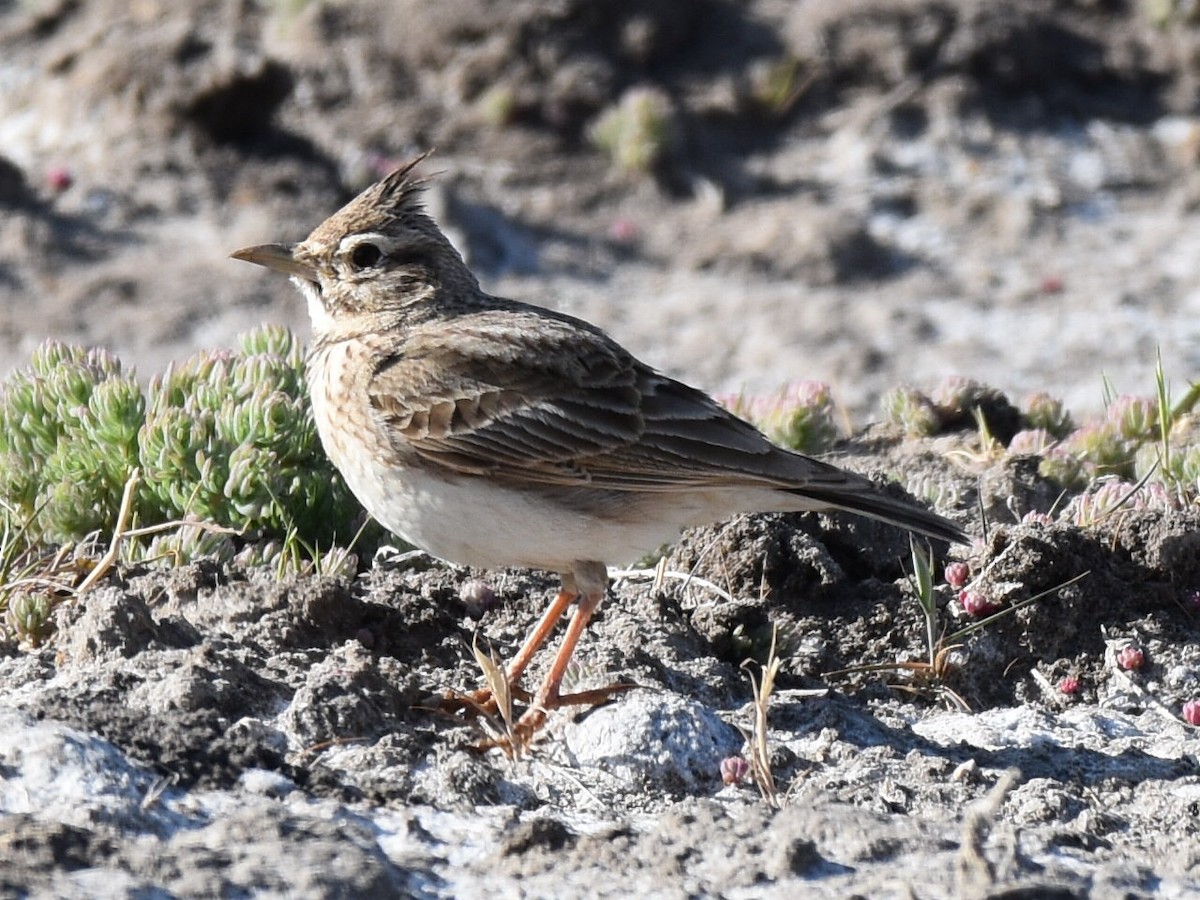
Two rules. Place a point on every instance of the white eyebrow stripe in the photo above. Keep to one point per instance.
(384, 242)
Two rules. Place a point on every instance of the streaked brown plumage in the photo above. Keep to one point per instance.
(495, 433)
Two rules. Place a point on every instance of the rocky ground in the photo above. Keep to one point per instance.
(864, 193)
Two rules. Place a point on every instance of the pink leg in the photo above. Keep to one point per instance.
(549, 695)
(587, 582)
(537, 637)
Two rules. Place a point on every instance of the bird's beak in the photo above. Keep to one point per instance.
(279, 257)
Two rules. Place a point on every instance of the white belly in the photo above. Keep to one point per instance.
(471, 521)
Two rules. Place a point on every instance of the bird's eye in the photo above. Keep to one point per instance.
(365, 255)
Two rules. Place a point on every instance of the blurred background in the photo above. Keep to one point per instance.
(745, 192)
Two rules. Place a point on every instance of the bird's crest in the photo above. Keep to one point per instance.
(393, 200)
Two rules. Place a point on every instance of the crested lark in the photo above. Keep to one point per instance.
(494, 433)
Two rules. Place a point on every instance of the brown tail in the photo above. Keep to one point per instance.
(877, 505)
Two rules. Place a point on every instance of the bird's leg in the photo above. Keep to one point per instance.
(549, 695)
(541, 631)
(482, 699)
(587, 583)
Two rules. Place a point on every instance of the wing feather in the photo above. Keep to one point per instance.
(531, 397)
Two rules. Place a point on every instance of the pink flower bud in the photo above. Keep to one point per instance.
(477, 596)
(957, 574)
(734, 769)
(1052, 284)
(1131, 657)
(59, 178)
(974, 604)
(1191, 712)
(623, 230)
(1069, 684)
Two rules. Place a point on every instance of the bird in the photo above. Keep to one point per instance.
(494, 433)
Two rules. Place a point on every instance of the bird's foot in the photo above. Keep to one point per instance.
(515, 738)
(494, 705)
(593, 697)
(481, 702)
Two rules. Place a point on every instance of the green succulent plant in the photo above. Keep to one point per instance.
(800, 416)
(226, 438)
(68, 440)
(912, 410)
(1043, 412)
(638, 131)
(1182, 466)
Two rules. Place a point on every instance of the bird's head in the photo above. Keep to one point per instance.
(375, 261)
